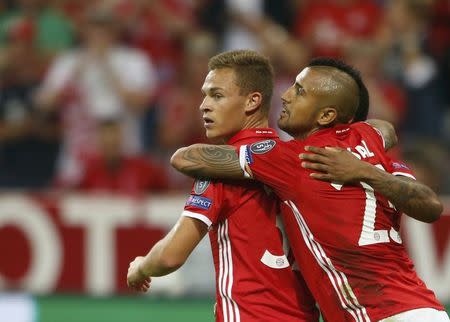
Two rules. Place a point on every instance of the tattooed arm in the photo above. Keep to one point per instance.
(208, 161)
(340, 166)
(409, 196)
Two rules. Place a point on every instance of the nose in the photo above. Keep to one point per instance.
(204, 106)
(284, 97)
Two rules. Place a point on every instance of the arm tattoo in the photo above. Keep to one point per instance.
(409, 196)
(211, 161)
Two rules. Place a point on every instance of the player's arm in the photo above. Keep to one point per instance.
(408, 195)
(387, 131)
(208, 161)
(167, 255)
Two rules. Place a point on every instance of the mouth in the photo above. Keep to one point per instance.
(284, 112)
(207, 122)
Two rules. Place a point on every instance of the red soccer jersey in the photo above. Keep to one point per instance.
(344, 238)
(254, 281)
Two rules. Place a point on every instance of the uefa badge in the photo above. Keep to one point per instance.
(200, 186)
(262, 146)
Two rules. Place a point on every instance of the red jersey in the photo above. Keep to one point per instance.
(345, 238)
(254, 280)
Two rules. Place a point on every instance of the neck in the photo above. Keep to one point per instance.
(255, 122)
(249, 123)
(303, 136)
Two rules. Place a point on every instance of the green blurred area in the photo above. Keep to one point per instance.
(125, 309)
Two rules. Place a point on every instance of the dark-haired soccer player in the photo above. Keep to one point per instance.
(344, 237)
(254, 279)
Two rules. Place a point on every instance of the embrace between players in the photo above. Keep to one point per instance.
(339, 195)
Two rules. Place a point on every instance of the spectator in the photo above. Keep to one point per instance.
(112, 171)
(180, 121)
(29, 139)
(158, 28)
(387, 98)
(53, 31)
(100, 80)
(327, 26)
(402, 37)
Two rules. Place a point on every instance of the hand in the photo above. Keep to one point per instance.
(136, 279)
(333, 164)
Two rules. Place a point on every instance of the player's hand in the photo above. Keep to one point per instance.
(333, 164)
(135, 278)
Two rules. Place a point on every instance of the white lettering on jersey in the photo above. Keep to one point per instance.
(362, 151)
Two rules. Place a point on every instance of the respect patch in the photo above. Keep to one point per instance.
(199, 202)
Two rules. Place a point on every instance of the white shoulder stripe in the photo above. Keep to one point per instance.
(200, 217)
(404, 174)
(242, 161)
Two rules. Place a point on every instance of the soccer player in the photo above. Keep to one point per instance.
(344, 237)
(254, 279)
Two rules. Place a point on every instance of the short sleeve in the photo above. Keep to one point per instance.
(140, 73)
(400, 168)
(267, 162)
(60, 72)
(204, 202)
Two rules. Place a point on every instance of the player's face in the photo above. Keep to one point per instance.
(223, 105)
(300, 105)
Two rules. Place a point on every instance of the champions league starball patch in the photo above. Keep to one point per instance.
(200, 186)
(262, 146)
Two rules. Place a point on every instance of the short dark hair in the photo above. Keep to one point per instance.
(363, 106)
(254, 73)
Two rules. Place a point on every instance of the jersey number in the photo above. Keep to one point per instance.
(369, 235)
(277, 261)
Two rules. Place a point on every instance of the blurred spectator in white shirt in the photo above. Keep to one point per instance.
(100, 80)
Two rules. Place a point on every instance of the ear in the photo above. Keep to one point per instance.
(254, 101)
(327, 116)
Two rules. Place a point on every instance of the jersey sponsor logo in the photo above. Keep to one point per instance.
(262, 146)
(200, 186)
(199, 202)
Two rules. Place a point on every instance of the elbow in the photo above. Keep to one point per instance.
(436, 210)
(392, 133)
(176, 160)
(432, 212)
(171, 263)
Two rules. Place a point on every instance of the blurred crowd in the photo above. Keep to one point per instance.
(97, 94)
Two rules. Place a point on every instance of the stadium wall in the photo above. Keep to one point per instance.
(82, 244)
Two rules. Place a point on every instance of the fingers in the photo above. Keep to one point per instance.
(317, 150)
(315, 166)
(321, 176)
(313, 157)
(143, 286)
(323, 151)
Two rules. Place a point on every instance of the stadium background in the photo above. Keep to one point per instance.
(96, 95)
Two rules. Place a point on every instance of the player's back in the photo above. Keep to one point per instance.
(345, 238)
(254, 280)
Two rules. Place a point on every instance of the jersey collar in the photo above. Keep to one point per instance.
(263, 133)
(340, 130)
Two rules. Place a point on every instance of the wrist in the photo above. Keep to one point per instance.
(369, 173)
(142, 271)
